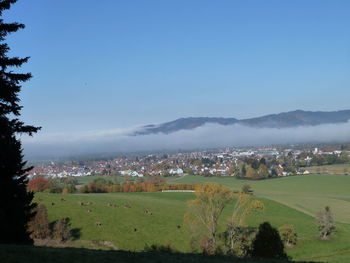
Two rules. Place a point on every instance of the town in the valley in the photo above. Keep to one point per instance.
(252, 163)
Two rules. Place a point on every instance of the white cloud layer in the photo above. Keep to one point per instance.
(208, 136)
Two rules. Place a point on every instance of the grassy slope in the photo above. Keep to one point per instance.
(309, 194)
(168, 210)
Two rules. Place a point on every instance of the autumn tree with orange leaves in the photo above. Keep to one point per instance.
(204, 213)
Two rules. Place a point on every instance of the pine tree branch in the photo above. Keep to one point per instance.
(6, 4)
(12, 62)
(6, 29)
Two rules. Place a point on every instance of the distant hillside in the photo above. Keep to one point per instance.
(185, 124)
(291, 119)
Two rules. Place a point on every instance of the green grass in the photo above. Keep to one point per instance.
(309, 194)
(168, 209)
(118, 224)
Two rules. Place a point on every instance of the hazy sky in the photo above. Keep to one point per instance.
(109, 64)
(207, 136)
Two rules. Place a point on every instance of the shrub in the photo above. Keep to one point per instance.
(247, 189)
(65, 190)
(39, 225)
(239, 240)
(69, 189)
(207, 245)
(288, 235)
(267, 243)
(61, 230)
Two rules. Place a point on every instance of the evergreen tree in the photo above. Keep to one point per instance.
(267, 243)
(16, 206)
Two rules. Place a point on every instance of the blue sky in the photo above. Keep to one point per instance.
(110, 64)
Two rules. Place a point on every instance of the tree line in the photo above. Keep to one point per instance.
(100, 185)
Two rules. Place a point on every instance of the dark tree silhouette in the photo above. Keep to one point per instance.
(16, 206)
(267, 243)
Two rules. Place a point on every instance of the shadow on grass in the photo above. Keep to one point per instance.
(76, 233)
(31, 254)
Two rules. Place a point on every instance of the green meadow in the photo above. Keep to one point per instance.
(339, 169)
(308, 193)
(89, 179)
(287, 201)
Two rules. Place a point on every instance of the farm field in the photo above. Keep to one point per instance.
(131, 229)
(88, 179)
(307, 193)
(335, 169)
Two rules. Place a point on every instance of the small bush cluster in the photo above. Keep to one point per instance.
(61, 230)
(40, 228)
(39, 225)
(288, 235)
(264, 242)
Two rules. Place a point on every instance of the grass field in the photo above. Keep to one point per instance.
(334, 169)
(307, 193)
(119, 224)
(88, 179)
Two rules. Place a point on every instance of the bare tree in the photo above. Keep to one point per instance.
(238, 235)
(325, 223)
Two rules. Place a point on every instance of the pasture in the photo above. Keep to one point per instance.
(89, 179)
(334, 169)
(126, 226)
(307, 193)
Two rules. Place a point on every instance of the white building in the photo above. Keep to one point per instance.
(176, 171)
(131, 173)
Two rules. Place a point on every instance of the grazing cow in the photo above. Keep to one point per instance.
(89, 210)
(127, 206)
(109, 204)
(98, 223)
(62, 199)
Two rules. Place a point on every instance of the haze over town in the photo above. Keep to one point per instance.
(208, 136)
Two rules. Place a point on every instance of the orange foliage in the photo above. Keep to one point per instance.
(134, 187)
(38, 184)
